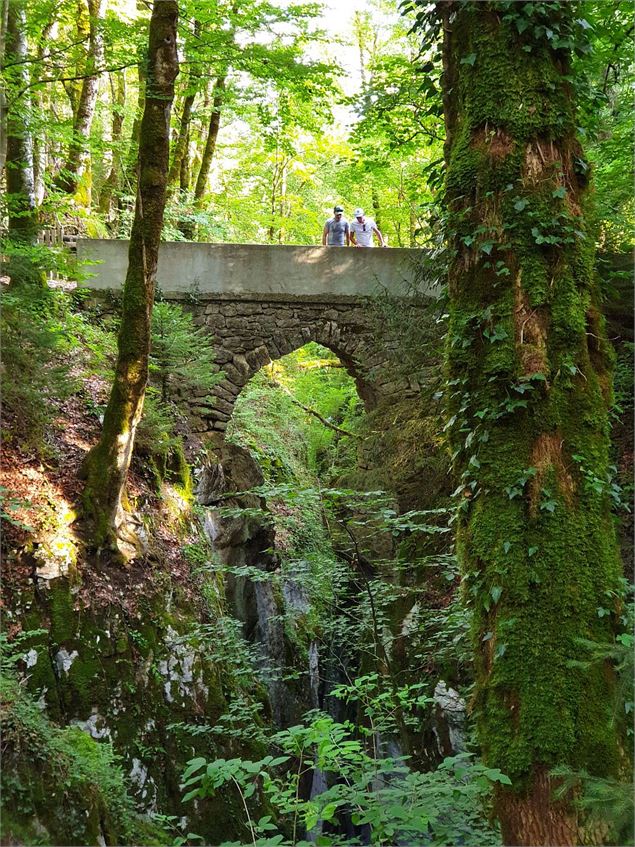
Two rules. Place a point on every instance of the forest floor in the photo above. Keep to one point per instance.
(42, 497)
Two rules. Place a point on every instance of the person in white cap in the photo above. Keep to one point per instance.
(362, 229)
(336, 231)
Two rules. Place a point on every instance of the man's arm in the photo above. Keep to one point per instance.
(348, 235)
(382, 243)
(325, 232)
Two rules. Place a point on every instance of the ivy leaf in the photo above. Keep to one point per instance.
(521, 204)
(487, 247)
(560, 192)
(488, 636)
(507, 546)
(532, 551)
(494, 775)
(496, 592)
(469, 60)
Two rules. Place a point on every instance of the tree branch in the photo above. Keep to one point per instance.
(313, 412)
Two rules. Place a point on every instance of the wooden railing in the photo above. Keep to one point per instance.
(59, 236)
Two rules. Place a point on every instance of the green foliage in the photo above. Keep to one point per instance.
(605, 805)
(181, 367)
(37, 340)
(181, 356)
(288, 440)
(382, 794)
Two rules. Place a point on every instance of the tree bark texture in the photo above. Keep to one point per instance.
(4, 15)
(19, 150)
(210, 144)
(112, 180)
(75, 176)
(529, 370)
(178, 171)
(106, 466)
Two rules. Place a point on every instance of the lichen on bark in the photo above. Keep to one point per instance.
(529, 426)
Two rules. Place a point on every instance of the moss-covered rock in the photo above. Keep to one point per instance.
(59, 786)
(129, 680)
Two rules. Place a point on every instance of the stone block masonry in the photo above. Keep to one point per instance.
(260, 303)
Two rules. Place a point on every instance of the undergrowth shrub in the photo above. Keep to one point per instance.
(358, 797)
(35, 374)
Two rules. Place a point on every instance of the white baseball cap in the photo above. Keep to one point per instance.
(359, 213)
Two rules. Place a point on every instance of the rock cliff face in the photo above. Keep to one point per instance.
(127, 669)
(245, 545)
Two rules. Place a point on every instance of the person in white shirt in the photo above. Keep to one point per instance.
(362, 229)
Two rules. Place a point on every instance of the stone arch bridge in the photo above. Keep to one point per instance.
(262, 302)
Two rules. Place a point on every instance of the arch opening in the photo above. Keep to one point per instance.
(310, 383)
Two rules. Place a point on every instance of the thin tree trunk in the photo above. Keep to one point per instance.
(106, 465)
(19, 151)
(42, 99)
(75, 177)
(182, 141)
(529, 361)
(181, 151)
(376, 207)
(132, 157)
(210, 144)
(4, 14)
(112, 180)
(185, 171)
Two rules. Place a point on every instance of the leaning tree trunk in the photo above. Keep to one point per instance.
(106, 465)
(529, 376)
(20, 193)
(210, 144)
(75, 177)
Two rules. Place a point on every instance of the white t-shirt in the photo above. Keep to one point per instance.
(363, 231)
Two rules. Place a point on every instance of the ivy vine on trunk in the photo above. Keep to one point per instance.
(106, 465)
(529, 368)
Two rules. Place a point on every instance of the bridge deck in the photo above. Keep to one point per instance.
(219, 270)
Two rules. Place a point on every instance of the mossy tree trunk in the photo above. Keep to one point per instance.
(210, 143)
(22, 212)
(106, 465)
(529, 376)
(111, 183)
